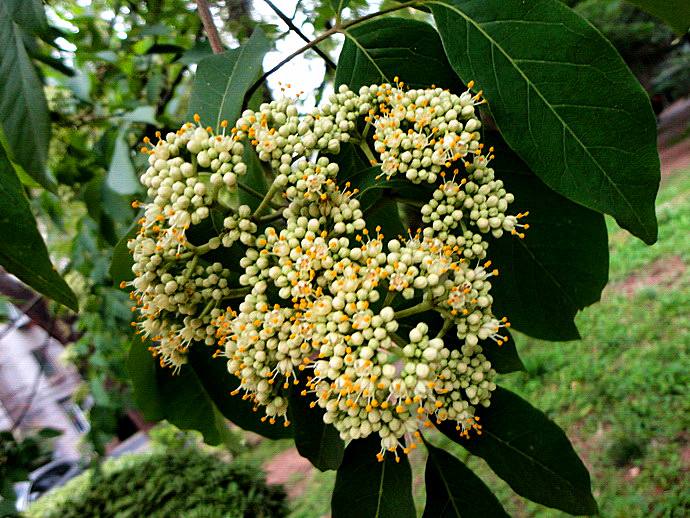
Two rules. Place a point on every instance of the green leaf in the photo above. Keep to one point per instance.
(530, 452)
(339, 5)
(563, 99)
(315, 440)
(254, 178)
(222, 80)
(142, 370)
(386, 214)
(676, 13)
(122, 177)
(122, 261)
(453, 490)
(560, 267)
(504, 358)
(144, 114)
(178, 398)
(382, 49)
(23, 110)
(366, 487)
(218, 383)
(22, 250)
(29, 15)
(372, 185)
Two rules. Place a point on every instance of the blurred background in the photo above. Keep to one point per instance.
(115, 71)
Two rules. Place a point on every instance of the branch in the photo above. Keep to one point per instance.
(209, 26)
(330, 32)
(36, 308)
(291, 25)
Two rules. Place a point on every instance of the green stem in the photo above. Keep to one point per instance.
(257, 195)
(239, 292)
(266, 202)
(270, 217)
(211, 304)
(414, 310)
(367, 151)
(447, 324)
(407, 201)
(390, 297)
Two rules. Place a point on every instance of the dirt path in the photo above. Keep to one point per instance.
(674, 150)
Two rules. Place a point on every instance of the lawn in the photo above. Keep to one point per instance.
(621, 393)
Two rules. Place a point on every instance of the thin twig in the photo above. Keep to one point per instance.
(209, 26)
(330, 32)
(291, 25)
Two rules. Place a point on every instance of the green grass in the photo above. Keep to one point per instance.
(621, 393)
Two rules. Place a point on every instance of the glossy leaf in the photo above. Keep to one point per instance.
(504, 358)
(372, 185)
(560, 267)
(219, 383)
(366, 487)
(122, 261)
(453, 490)
(530, 452)
(315, 440)
(563, 99)
(382, 49)
(23, 110)
(254, 179)
(222, 80)
(22, 251)
(178, 398)
(676, 13)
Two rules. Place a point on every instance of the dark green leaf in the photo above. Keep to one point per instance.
(563, 99)
(23, 110)
(122, 261)
(372, 185)
(676, 13)
(504, 358)
(379, 50)
(200, 50)
(142, 371)
(366, 487)
(218, 383)
(254, 179)
(339, 5)
(560, 266)
(49, 433)
(222, 80)
(530, 452)
(315, 440)
(453, 490)
(386, 214)
(30, 15)
(22, 251)
(179, 398)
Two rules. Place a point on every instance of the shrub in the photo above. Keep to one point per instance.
(182, 483)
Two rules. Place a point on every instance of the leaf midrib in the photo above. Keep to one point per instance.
(228, 84)
(366, 53)
(532, 459)
(432, 457)
(494, 43)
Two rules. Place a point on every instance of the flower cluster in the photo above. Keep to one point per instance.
(323, 299)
